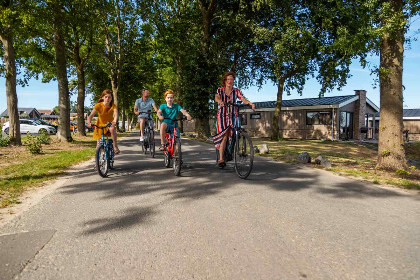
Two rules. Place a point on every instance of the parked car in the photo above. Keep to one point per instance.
(30, 126)
(41, 121)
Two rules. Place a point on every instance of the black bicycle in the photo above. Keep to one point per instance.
(240, 147)
(149, 135)
(104, 157)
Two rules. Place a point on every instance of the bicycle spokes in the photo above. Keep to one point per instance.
(244, 155)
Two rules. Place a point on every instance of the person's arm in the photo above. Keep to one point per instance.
(159, 113)
(155, 108)
(136, 109)
(218, 100)
(185, 113)
(246, 101)
(114, 122)
(89, 119)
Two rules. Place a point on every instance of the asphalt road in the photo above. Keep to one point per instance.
(284, 222)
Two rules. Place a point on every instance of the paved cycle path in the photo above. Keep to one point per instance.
(284, 222)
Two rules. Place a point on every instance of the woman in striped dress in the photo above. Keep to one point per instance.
(224, 122)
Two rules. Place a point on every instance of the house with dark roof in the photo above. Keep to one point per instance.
(332, 117)
(31, 112)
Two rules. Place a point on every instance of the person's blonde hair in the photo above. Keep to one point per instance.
(169, 91)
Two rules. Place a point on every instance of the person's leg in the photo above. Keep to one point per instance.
(142, 121)
(222, 147)
(114, 139)
(163, 127)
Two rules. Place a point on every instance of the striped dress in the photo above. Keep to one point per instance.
(224, 115)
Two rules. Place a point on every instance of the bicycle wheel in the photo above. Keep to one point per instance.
(167, 160)
(111, 157)
(177, 157)
(101, 161)
(152, 143)
(244, 155)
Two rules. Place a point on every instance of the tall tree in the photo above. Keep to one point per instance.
(63, 133)
(8, 17)
(285, 34)
(83, 23)
(393, 16)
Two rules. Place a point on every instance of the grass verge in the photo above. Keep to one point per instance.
(347, 158)
(20, 170)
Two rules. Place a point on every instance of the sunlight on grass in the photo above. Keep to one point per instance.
(16, 178)
(347, 158)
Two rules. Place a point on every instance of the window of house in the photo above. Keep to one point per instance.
(318, 117)
(255, 116)
(243, 119)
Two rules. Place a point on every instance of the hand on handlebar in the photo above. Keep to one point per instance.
(161, 118)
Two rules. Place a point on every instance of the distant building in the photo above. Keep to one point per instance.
(31, 112)
(333, 117)
(47, 112)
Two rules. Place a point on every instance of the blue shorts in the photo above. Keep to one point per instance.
(170, 129)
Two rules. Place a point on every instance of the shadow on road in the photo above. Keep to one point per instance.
(131, 217)
(138, 174)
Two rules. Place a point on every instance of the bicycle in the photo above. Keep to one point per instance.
(240, 148)
(104, 156)
(149, 135)
(173, 149)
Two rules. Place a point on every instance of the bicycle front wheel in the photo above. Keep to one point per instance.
(177, 157)
(101, 161)
(244, 155)
(152, 143)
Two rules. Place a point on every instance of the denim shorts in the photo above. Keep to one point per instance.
(170, 129)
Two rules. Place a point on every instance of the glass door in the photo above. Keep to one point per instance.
(346, 125)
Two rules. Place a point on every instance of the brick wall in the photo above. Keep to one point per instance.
(359, 113)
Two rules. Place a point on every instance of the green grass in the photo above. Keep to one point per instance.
(347, 158)
(16, 178)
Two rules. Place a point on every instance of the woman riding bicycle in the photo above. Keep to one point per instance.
(224, 122)
(167, 113)
(107, 112)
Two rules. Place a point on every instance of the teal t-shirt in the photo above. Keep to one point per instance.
(170, 112)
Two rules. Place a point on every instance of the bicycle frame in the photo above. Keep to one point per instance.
(236, 127)
(170, 142)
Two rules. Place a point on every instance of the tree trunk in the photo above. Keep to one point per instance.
(178, 88)
(275, 126)
(81, 130)
(202, 128)
(391, 154)
(63, 133)
(12, 100)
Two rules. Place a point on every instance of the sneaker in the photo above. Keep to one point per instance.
(141, 138)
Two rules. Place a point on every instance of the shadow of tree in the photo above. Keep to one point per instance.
(130, 217)
(137, 175)
(356, 190)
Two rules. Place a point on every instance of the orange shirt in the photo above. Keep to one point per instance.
(105, 115)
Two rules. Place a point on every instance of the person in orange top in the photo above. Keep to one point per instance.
(107, 112)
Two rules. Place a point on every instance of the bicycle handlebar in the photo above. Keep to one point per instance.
(148, 112)
(109, 124)
(233, 104)
(183, 118)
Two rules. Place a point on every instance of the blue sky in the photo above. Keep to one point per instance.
(45, 96)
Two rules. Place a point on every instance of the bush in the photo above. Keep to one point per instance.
(44, 138)
(33, 144)
(4, 142)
